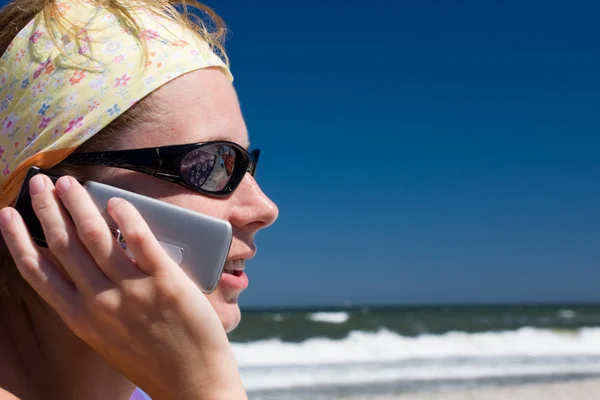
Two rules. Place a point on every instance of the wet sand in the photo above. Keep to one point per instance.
(570, 390)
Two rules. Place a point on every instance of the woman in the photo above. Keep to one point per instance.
(80, 319)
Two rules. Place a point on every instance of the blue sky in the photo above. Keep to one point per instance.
(422, 152)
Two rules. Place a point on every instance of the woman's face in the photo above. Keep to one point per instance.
(198, 107)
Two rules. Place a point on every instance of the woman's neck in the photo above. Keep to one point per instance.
(40, 358)
(13, 384)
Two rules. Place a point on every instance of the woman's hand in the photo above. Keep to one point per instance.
(144, 317)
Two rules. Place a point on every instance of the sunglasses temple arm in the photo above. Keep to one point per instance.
(143, 160)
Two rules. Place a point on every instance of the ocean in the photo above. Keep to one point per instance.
(337, 353)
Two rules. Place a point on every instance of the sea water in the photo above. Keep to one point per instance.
(334, 353)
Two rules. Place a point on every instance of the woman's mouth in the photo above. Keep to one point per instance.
(233, 277)
(233, 272)
(234, 267)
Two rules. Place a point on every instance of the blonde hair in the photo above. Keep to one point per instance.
(191, 14)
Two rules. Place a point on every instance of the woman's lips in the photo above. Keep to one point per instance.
(234, 277)
(234, 267)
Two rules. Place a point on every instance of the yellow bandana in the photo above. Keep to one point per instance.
(51, 101)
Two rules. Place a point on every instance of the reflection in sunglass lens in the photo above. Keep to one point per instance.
(209, 167)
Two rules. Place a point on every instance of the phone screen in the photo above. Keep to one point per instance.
(23, 206)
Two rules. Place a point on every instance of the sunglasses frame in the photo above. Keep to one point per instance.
(165, 163)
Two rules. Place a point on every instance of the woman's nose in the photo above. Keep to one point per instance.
(253, 208)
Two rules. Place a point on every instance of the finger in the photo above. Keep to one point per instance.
(149, 254)
(94, 233)
(62, 238)
(43, 276)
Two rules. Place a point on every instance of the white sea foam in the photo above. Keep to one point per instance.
(329, 317)
(385, 356)
(388, 346)
(567, 314)
(277, 317)
(359, 375)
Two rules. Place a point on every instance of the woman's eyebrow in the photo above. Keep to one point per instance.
(227, 139)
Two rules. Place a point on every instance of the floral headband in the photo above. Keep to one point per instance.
(58, 88)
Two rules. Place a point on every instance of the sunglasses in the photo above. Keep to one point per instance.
(212, 168)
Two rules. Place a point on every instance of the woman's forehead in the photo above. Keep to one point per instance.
(196, 107)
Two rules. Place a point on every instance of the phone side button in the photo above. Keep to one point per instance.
(175, 252)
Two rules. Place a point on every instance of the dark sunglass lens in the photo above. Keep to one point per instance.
(209, 167)
(254, 161)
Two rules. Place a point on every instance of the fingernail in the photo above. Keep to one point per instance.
(114, 201)
(63, 185)
(5, 217)
(37, 184)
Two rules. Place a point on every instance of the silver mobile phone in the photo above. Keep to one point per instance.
(198, 243)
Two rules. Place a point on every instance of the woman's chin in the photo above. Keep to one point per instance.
(228, 310)
(230, 316)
